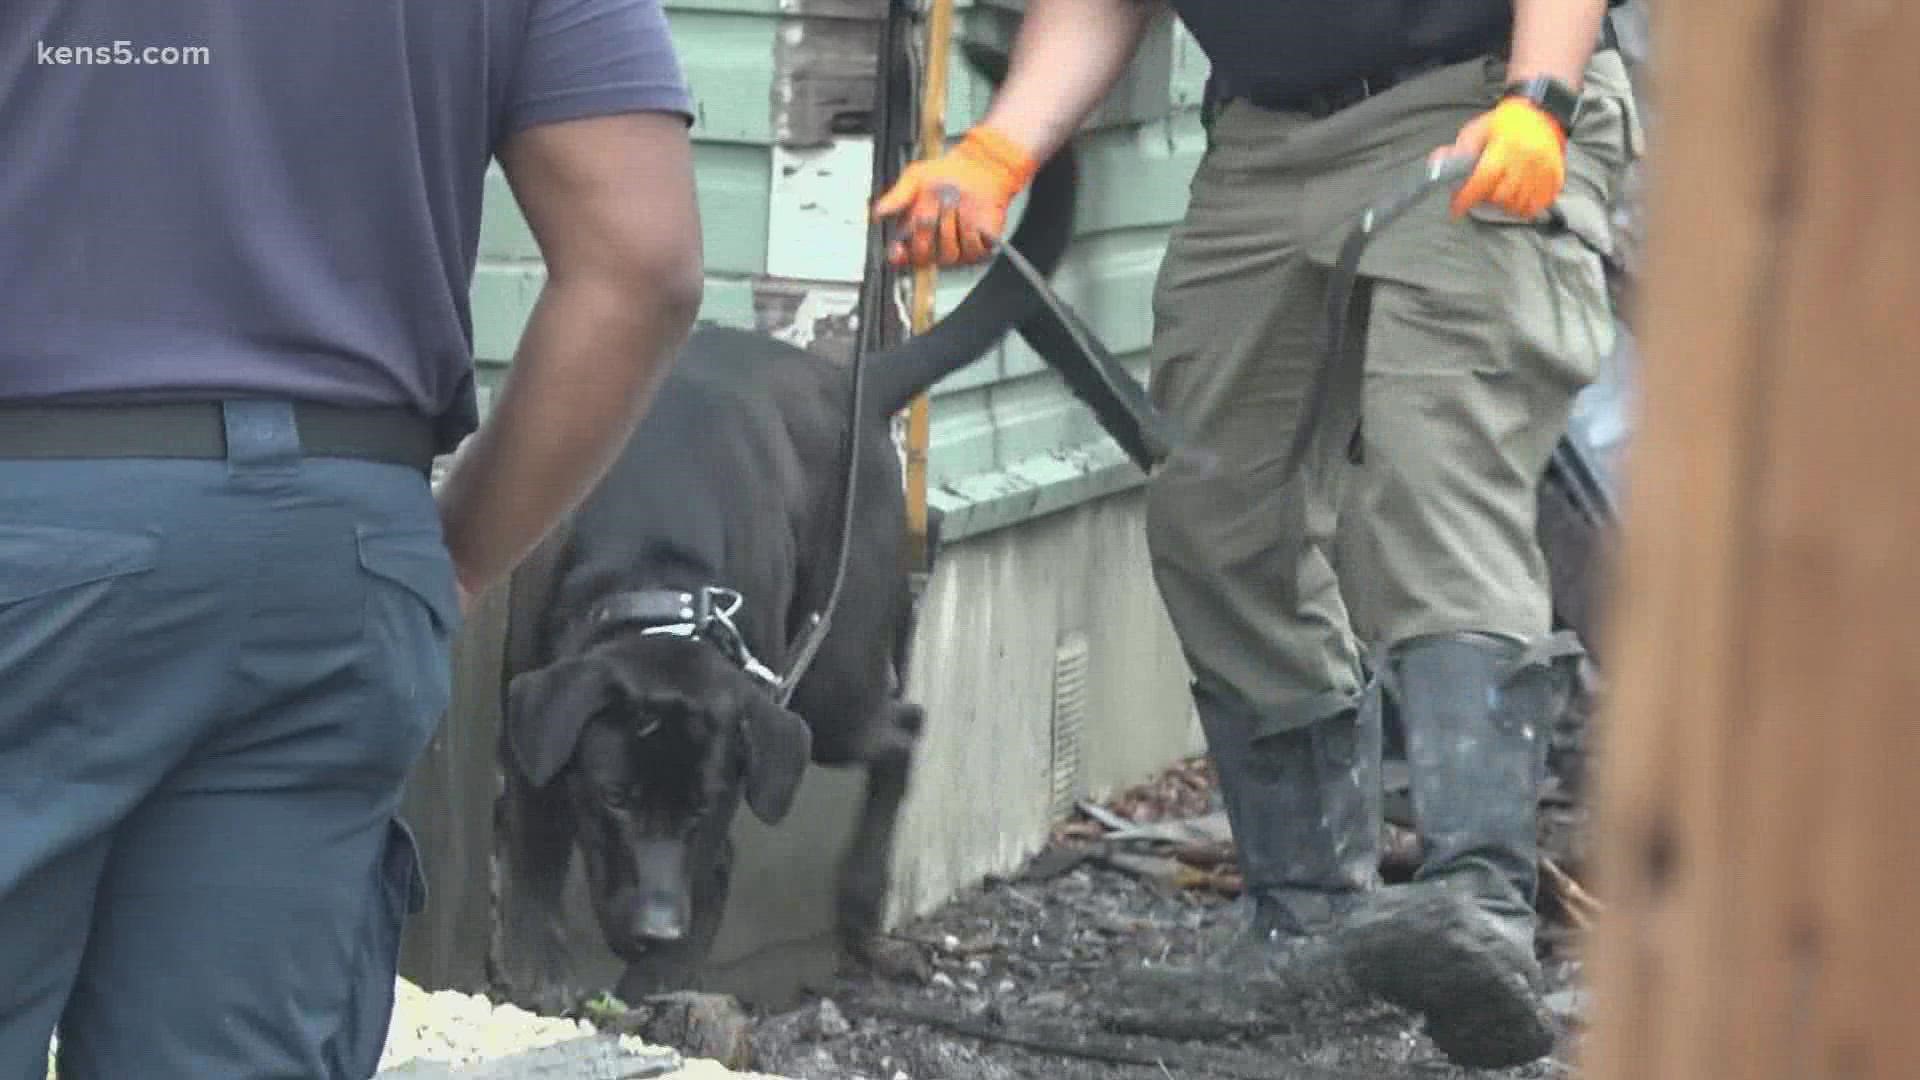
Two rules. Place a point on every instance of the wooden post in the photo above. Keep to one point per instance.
(1758, 781)
(933, 138)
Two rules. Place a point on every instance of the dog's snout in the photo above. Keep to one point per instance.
(659, 918)
(660, 904)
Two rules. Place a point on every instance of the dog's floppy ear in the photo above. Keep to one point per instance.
(777, 747)
(546, 709)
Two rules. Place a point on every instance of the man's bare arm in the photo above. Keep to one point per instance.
(1067, 55)
(610, 201)
(1555, 38)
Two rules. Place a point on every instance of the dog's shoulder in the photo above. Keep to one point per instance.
(719, 353)
(760, 379)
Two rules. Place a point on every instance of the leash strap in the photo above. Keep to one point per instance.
(889, 136)
(1335, 402)
(1334, 405)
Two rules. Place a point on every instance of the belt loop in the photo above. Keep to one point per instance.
(262, 436)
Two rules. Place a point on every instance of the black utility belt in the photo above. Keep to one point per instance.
(197, 429)
(1324, 102)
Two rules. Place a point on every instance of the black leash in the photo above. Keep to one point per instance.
(1338, 390)
(1335, 403)
(875, 286)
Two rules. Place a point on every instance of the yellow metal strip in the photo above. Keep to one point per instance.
(933, 134)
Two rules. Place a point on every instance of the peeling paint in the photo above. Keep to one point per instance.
(822, 317)
(818, 217)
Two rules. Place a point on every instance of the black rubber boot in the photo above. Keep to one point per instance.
(1457, 945)
(1303, 798)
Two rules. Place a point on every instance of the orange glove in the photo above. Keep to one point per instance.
(1522, 159)
(957, 200)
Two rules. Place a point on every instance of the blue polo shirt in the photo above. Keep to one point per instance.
(277, 197)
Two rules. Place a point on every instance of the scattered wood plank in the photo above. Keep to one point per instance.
(1152, 869)
(1056, 861)
(1206, 856)
(1105, 816)
(1579, 905)
(1203, 830)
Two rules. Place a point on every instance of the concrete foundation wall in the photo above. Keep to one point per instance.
(1049, 673)
(1008, 617)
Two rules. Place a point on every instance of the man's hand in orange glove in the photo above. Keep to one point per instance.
(956, 202)
(1522, 156)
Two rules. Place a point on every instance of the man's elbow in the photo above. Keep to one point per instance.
(645, 272)
(668, 276)
(682, 282)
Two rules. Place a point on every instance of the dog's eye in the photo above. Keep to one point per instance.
(618, 798)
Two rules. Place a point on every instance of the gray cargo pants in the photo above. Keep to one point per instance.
(217, 676)
(1481, 333)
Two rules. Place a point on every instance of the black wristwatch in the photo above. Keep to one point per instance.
(1554, 97)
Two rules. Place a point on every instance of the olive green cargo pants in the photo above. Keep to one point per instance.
(1481, 332)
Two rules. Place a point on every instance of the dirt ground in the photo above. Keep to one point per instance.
(1062, 972)
(1068, 969)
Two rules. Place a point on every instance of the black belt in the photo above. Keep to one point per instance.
(1326, 101)
(197, 429)
(1323, 103)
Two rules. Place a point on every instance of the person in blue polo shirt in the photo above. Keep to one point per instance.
(237, 241)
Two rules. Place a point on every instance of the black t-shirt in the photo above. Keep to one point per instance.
(1286, 49)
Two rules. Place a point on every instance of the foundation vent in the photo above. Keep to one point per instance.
(1070, 704)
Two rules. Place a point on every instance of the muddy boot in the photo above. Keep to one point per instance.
(1456, 945)
(1303, 798)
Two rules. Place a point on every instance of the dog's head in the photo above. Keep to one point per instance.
(657, 739)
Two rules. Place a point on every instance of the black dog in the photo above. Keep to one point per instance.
(639, 710)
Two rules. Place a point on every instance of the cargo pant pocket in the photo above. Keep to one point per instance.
(60, 589)
(51, 578)
(410, 620)
(399, 892)
(1554, 308)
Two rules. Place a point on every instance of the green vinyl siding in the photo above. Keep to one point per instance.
(1008, 441)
